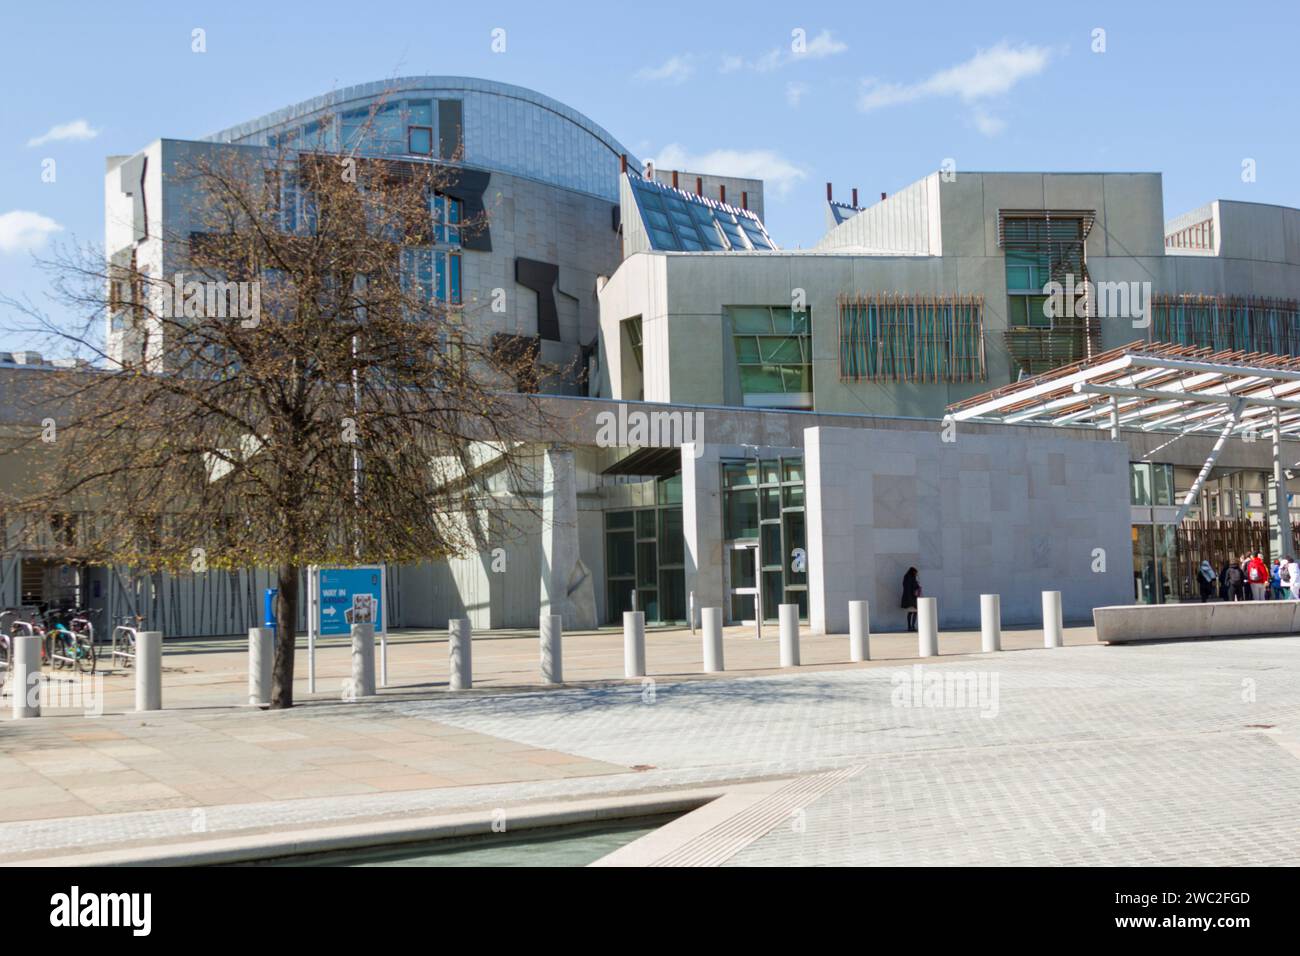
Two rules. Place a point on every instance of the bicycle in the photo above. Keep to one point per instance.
(71, 639)
(125, 633)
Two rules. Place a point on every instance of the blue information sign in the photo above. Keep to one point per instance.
(348, 595)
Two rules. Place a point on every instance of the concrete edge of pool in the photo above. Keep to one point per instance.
(265, 846)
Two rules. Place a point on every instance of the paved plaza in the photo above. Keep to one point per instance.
(1177, 753)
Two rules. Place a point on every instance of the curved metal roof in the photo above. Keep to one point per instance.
(364, 91)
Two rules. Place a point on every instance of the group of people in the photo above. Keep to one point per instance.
(1250, 578)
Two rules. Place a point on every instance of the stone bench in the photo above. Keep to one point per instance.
(1168, 622)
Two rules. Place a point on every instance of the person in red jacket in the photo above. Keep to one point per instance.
(1257, 577)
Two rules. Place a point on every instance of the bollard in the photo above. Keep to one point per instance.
(25, 675)
(690, 609)
(712, 626)
(859, 631)
(1052, 636)
(990, 623)
(148, 670)
(927, 627)
(260, 642)
(634, 644)
(460, 645)
(552, 633)
(788, 615)
(363, 661)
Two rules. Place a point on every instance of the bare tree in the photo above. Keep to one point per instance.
(299, 389)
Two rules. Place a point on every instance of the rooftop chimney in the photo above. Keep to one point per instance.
(744, 199)
(699, 185)
(882, 196)
(855, 197)
(722, 193)
(622, 163)
(829, 196)
(674, 179)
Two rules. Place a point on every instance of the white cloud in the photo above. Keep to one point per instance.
(78, 129)
(794, 92)
(675, 70)
(988, 124)
(988, 73)
(819, 47)
(777, 172)
(21, 229)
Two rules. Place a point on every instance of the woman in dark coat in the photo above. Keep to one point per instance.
(911, 591)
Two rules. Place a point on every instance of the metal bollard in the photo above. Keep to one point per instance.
(1052, 633)
(552, 634)
(25, 675)
(690, 609)
(712, 620)
(990, 623)
(788, 615)
(927, 627)
(260, 643)
(460, 644)
(634, 644)
(148, 670)
(363, 661)
(859, 631)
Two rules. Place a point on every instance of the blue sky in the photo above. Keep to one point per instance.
(881, 95)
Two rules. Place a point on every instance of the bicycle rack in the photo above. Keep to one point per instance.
(128, 644)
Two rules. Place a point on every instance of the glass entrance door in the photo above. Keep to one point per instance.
(743, 588)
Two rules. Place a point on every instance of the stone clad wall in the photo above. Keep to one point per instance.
(982, 514)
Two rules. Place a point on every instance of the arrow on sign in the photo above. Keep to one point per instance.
(330, 611)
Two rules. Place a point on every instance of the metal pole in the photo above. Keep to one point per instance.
(460, 648)
(859, 631)
(1052, 629)
(1114, 418)
(712, 626)
(990, 623)
(634, 644)
(552, 635)
(1209, 463)
(1283, 507)
(789, 618)
(927, 627)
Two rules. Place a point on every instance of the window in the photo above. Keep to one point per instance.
(419, 140)
(645, 552)
(764, 502)
(450, 125)
(773, 355)
(911, 338)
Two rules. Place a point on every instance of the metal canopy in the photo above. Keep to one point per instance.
(1153, 387)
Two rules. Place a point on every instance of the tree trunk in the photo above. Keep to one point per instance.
(286, 621)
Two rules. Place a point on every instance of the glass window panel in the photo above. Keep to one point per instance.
(794, 538)
(645, 524)
(669, 490)
(620, 556)
(770, 471)
(771, 594)
(747, 350)
(781, 349)
(672, 595)
(1139, 473)
(760, 380)
(739, 473)
(455, 279)
(419, 139)
(620, 600)
(1036, 307)
(1163, 482)
(792, 468)
(671, 541)
(771, 542)
(742, 514)
(750, 319)
(771, 498)
(618, 519)
(742, 568)
(647, 564)
(742, 607)
(1017, 314)
(662, 239)
(793, 496)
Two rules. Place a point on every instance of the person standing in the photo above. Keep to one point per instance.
(1207, 579)
(1293, 569)
(1275, 579)
(911, 591)
(1257, 575)
(1236, 581)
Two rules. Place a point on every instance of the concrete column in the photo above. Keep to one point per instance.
(859, 631)
(1052, 632)
(552, 635)
(363, 660)
(837, 502)
(712, 639)
(927, 626)
(566, 588)
(990, 623)
(702, 523)
(148, 670)
(25, 675)
(460, 643)
(634, 643)
(789, 623)
(260, 655)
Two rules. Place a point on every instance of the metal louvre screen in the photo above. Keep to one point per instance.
(1228, 323)
(911, 338)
